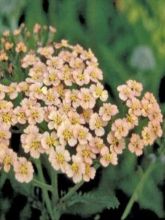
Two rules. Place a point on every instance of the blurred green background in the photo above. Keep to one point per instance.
(127, 36)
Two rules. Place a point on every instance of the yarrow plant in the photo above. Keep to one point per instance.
(53, 95)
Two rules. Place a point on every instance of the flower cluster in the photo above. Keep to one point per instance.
(63, 112)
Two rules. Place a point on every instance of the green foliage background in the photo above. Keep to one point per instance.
(114, 30)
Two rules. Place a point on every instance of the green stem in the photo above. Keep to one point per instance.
(55, 198)
(44, 189)
(42, 185)
(54, 178)
(137, 191)
(71, 191)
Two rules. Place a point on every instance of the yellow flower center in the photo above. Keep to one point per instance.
(82, 134)
(6, 117)
(98, 123)
(23, 170)
(67, 134)
(85, 153)
(35, 145)
(60, 158)
(2, 134)
(7, 160)
(51, 141)
(75, 167)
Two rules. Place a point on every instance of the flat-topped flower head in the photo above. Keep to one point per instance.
(61, 108)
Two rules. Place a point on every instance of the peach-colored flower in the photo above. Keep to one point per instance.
(20, 115)
(8, 45)
(89, 172)
(3, 56)
(75, 118)
(46, 51)
(23, 170)
(120, 128)
(5, 135)
(54, 62)
(82, 133)
(21, 47)
(86, 153)
(76, 169)
(37, 72)
(71, 96)
(59, 158)
(135, 86)
(2, 91)
(49, 141)
(155, 128)
(65, 74)
(50, 96)
(116, 145)
(87, 101)
(132, 120)
(31, 129)
(124, 92)
(148, 136)
(99, 92)
(66, 135)
(76, 62)
(7, 158)
(95, 73)
(97, 124)
(96, 144)
(107, 111)
(81, 78)
(23, 87)
(12, 90)
(35, 91)
(87, 113)
(155, 114)
(5, 105)
(108, 157)
(56, 118)
(31, 143)
(8, 118)
(35, 115)
(134, 106)
(51, 77)
(29, 60)
(136, 144)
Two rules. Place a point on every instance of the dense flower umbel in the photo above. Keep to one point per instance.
(63, 112)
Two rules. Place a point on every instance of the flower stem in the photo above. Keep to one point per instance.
(71, 191)
(137, 191)
(54, 178)
(44, 190)
(42, 185)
